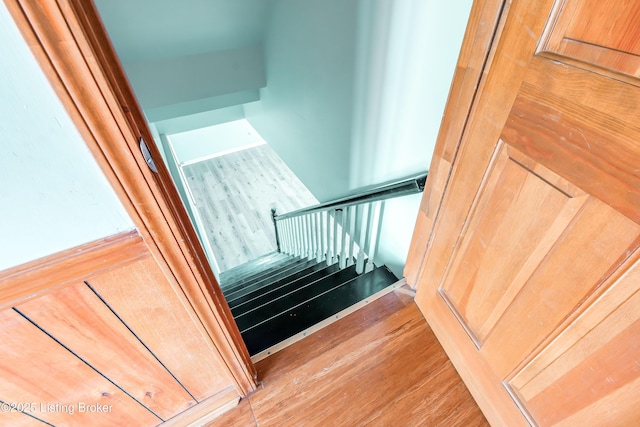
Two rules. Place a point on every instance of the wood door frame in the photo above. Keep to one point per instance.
(71, 45)
(476, 53)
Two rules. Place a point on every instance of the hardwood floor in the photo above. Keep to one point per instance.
(381, 365)
(234, 195)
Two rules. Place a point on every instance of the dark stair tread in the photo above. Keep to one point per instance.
(280, 287)
(304, 293)
(303, 316)
(254, 267)
(267, 277)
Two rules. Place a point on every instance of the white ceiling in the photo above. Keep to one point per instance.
(143, 30)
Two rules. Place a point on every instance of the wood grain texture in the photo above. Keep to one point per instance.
(45, 274)
(207, 410)
(470, 69)
(36, 369)
(602, 33)
(428, 211)
(73, 49)
(135, 333)
(513, 48)
(583, 127)
(503, 244)
(378, 366)
(497, 93)
(234, 195)
(9, 417)
(240, 416)
(77, 318)
(528, 241)
(603, 239)
(600, 365)
(168, 328)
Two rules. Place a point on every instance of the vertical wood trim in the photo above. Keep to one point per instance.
(475, 55)
(74, 51)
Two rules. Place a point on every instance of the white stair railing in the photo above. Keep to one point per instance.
(344, 231)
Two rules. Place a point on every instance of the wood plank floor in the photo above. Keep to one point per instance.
(234, 195)
(381, 365)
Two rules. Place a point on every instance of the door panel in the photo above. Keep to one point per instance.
(600, 365)
(503, 242)
(560, 284)
(603, 33)
(526, 279)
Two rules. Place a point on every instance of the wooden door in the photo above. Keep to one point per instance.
(531, 277)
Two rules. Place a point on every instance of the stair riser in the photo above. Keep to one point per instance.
(302, 316)
(304, 293)
(281, 287)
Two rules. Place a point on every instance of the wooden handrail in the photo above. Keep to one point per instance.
(399, 188)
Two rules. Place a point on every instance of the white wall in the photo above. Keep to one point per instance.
(305, 111)
(199, 120)
(355, 95)
(167, 81)
(214, 140)
(407, 53)
(53, 196)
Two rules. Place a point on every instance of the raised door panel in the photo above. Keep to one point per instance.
(518, 217)
(603, 33)
(514, 276)
(596, 358)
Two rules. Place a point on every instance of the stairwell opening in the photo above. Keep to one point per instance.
(276, 297)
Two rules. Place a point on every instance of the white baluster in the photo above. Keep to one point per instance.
(325, 236)
(344, 221)
(318, 229)
(351, 234)
(305, 237)
(376, 225)
(363, 221)
(287, 228)
(310, 253)
(336, 248)
(299, 237)
(367, 245)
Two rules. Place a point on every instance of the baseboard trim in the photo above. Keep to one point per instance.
(207, 410)
(300, 335)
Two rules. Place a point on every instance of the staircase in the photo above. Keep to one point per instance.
(324, 265)
(278, 296)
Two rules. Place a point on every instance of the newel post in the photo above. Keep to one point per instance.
(275, 226)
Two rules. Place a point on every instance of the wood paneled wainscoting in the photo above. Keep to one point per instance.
(97, 335)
